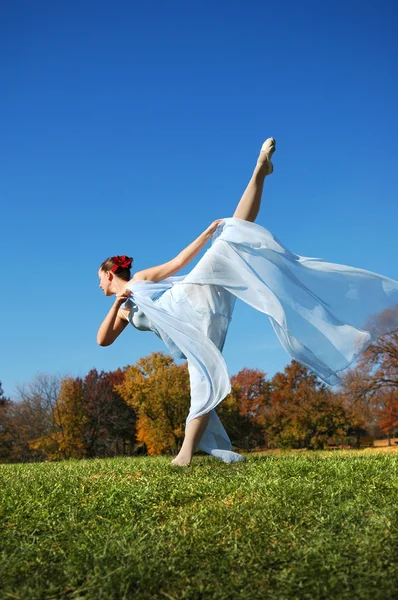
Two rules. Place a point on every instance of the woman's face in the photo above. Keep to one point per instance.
(105, 280)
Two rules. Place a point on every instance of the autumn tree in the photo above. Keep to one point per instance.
(302, 411)
(158, 390)
(110, 422)
(242, 411)
(29, 418)
(71, 418)
(382, 355)
(359, 401)
(370, 387)
(6, 437)
(388, 411)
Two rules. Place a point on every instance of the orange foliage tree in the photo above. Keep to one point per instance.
(388, 412)
(159, 392)
(71, 418)
(242, 412)
(302, 411)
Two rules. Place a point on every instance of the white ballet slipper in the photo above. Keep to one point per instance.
(267, 150)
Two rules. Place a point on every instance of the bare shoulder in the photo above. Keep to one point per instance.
(140, 276)
(159, 272)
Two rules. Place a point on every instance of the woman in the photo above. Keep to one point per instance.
(324, 314)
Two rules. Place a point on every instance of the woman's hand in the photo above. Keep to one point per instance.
(211, 229)
(122, 297)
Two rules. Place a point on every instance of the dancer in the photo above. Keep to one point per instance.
(324, 314)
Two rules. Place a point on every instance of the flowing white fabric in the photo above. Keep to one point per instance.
(324, 314)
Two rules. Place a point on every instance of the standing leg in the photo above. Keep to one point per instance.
(249, 204)
(247, 209)
(215, 327)
(195, 429)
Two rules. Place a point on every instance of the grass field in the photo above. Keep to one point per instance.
(303, 525)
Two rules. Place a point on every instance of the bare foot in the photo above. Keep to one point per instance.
(180, 461)
(264, 159)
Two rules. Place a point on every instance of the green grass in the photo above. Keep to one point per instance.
(278, 526)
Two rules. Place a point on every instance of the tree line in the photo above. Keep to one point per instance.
(142, 409)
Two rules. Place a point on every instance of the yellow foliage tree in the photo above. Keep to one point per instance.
(51, 447)
(158, 390)
(71, 418)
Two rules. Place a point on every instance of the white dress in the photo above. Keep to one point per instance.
(324, 314)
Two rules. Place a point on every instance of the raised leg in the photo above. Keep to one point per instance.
(249, 204)
(195, 430)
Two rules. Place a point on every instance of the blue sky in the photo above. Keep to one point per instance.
(127, 128)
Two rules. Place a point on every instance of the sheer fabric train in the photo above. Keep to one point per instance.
(324, 314)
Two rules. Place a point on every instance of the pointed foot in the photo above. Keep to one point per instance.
(266, 152)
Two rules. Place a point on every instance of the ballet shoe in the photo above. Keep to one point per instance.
(267, 150)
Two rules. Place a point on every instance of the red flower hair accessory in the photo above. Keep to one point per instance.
(121, 262)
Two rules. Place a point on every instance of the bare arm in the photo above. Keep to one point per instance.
(113, 324)
(179, 262)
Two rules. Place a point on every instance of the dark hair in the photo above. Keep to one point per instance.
(120, 265)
